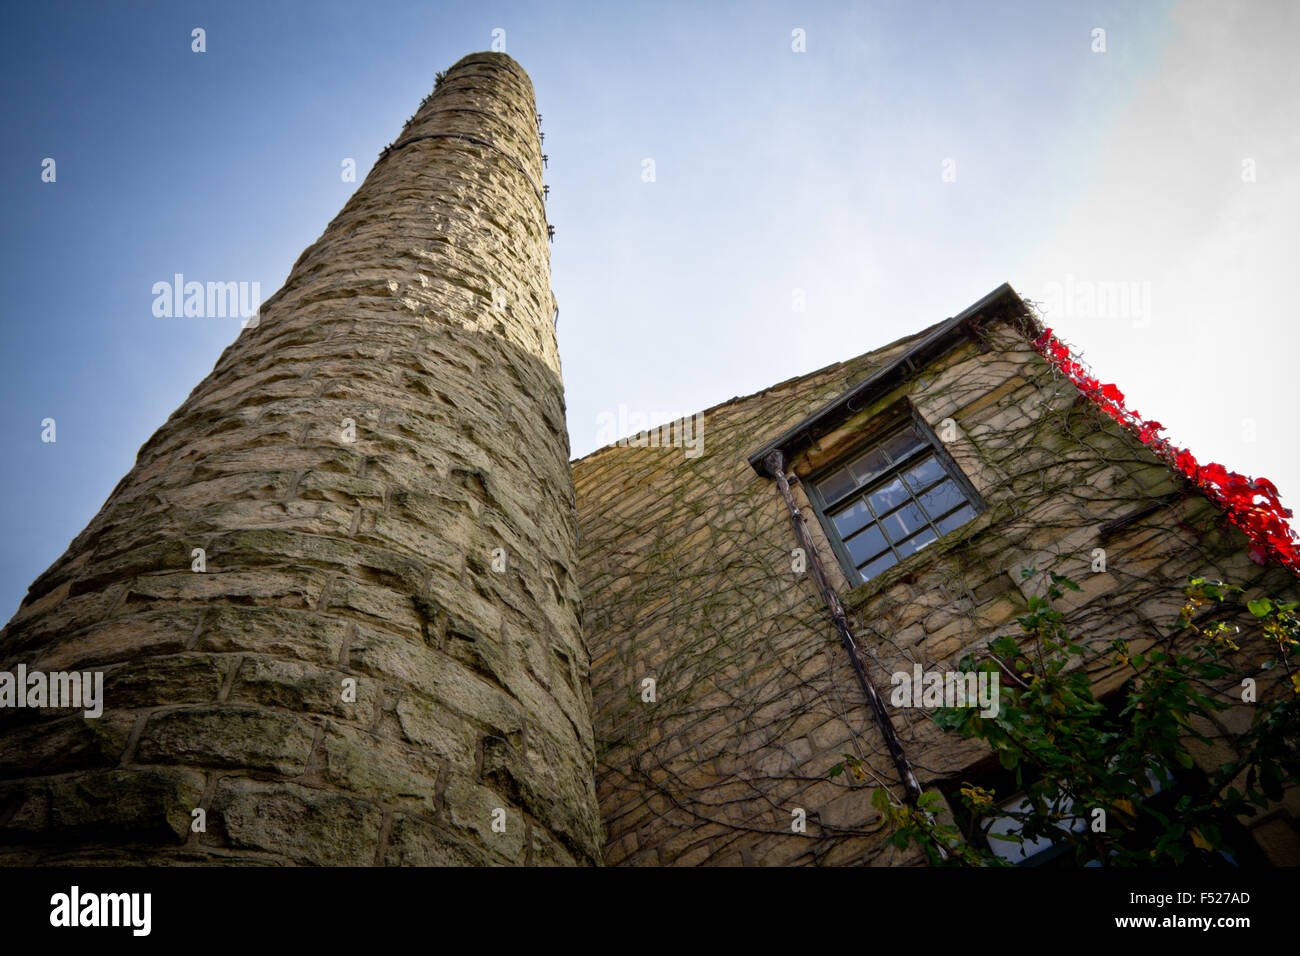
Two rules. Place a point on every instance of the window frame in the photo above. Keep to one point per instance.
(1244, 853)
(888, 424)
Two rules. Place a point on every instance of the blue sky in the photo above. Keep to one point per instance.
(775, 171)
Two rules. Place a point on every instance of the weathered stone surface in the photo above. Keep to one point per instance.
(1280, 841)
(433, 673)
(547, 852)
(279, 632)
(350, 468)
(61, 745)
(150, 805)
(377, 475)
(431, 727)
(355, 761)
(417, 842)
(687, 578)
(305, 688)
(127, 637)
(227, 736)
(472, 812)
(301, 824)
(175, 679)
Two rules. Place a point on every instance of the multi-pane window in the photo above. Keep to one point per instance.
(892, 500)
(1002, 834)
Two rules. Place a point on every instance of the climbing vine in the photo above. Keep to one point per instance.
(1252, 504)
(1116, 786)
(688, 579)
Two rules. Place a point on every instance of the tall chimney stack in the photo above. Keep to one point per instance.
(334, 603)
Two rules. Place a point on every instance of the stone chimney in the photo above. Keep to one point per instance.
(334, 603)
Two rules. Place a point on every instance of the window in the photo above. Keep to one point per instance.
(1041, 851)
(1162, 798)
(888, 501)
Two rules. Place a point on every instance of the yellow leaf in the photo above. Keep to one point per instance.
(1200, 842)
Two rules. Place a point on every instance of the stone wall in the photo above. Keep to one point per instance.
(688, 578)
(429, 557)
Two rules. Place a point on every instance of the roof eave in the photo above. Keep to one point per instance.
(1002, 304)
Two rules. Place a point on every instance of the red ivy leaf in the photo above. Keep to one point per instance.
(1263, 521)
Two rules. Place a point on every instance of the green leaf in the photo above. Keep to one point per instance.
(1260, 607)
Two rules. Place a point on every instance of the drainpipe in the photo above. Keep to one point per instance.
(775, 464)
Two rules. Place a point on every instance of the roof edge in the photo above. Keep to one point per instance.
(1002, 304)
(784, 383)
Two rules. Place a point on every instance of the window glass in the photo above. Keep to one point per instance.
(882, 563)
(867, 545)
(901, 445)
(868, 466)
(891, 500)
(903, 522)
(916, 543)
(920, 477)
(955, 520)
(941, 499)
(837, 485)
(852, 519)
(1014, 852)
(887, 496)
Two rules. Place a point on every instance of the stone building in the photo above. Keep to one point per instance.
(927, 475)
(353, 605)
